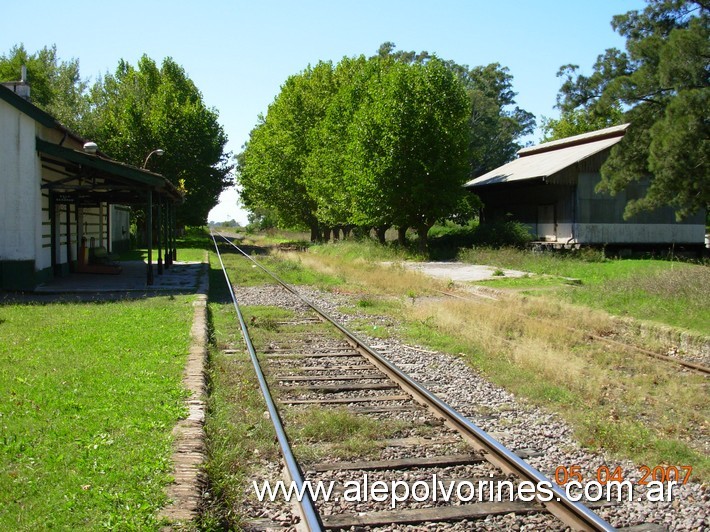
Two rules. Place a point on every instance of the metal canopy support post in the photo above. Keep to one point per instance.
(173, 206)
(149, 236)
(159, 205)
(171, 233)
(174, 232)
(166, 234)
(69, 264)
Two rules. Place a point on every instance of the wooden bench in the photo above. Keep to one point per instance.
(99, 255)
(99, 261)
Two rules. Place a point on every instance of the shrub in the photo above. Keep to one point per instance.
(500, 234)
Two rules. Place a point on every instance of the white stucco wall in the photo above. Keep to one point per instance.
(20, 199)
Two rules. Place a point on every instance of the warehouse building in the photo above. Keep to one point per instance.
(551, 188)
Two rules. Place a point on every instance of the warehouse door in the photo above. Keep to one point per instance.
(546, 223)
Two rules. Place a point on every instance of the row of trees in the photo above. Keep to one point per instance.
(132, 112)
(661, 85)
(379, 142)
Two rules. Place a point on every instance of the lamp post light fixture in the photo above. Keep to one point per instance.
(159, 152)
(91, 148)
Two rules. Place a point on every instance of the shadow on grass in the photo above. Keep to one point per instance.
(249, 249)
(219, 291)
(30, 298)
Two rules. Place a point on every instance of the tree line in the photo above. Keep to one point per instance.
(387, 140)
(379, 142)
(130, 113)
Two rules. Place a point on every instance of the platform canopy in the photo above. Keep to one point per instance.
(92, 179)
(550, 158)
(88, 180)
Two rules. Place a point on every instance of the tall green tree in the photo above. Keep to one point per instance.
(271, 169)
(378, 142)
(577, 122)
(327, 172)
(138, 109)
(132, 112)
(410, 146)
(495, 123)
(661, 82)
(55, 85)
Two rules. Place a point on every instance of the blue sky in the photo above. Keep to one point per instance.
(239, 53)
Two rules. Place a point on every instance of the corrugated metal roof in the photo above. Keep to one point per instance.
(550, 158)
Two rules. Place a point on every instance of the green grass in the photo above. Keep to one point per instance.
(244, 273)
(663, 291)
(90, 393)
(293, 272)
(367, 250)
(321, 433)
(190, 247)
(590, 266)
(334, 425)
(426, 333)
(674, 294)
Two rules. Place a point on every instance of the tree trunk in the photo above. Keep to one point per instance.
(336, 233)
(380, 231)
(315, 233)
(346, 231)
(326, 234)
(423, 233)
(360, 232)
(402, 235)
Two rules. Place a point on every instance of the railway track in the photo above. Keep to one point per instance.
(425, 450)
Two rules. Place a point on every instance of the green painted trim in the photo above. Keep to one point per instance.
(137, 175)
(29, 109)
(42, 276)
(64, 269)
(18, 275)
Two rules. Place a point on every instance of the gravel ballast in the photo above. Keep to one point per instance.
(513, 422)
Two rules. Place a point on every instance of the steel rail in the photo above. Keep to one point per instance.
(306, 506)
(571, 513)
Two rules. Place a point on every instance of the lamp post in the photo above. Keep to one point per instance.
(159, 152)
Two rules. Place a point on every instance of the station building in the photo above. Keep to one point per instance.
(60, 197)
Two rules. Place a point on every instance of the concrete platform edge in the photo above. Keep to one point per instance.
(185, 493)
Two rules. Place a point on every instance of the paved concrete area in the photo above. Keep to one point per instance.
(459, 271)
(181, 276)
